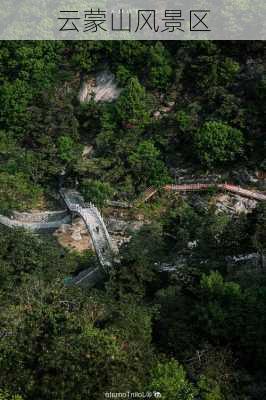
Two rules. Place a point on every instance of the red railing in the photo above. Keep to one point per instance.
(150, 192)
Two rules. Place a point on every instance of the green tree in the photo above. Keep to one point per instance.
(69, 346)
(24, 254)
(209, 389)
(68, 150)
(160, 68)
(215, 373)
(185, 121)
(146, 166)
(228, 70)
(123, 75)
(17, 192)
(7, 144)
(4, 395)
(96, 192)
(132, 106)
(138, 274)
(216, 142)
(215, 292)
(229, 314)
(14, 98)
(169, 379)
(27, 68)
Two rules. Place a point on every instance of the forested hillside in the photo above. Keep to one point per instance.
(198, 333)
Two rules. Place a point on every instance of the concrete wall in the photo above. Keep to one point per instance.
(40, 222)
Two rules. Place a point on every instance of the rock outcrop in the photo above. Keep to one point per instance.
(101, 88)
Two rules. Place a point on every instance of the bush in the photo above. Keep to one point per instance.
(217, 142)
(96, 192)
(17, 192)
(169, 379)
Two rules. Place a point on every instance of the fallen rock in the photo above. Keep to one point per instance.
(76, 235)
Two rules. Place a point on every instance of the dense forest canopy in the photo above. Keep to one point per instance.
(218, 90)
(199, 334)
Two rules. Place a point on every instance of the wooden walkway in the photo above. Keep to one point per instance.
(145, 196)
(150, 192)
(244, 192)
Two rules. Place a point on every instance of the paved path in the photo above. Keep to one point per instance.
(86, 278)
(104, 247)
(35, 226)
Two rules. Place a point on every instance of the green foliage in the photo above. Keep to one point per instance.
(86, 56)
(123, 75)
(225, 313)
(145, 162)
(68, 150)
(160, 69)
(132, 106)
(15, 96)
(214, 284)
(216, 312)
(64, 343)
(17, 192)
(214, 371)
(214, 235)
(217, 142)
(138, 274)
(18, 260)
(220, 235)
(25, 70)
(39, 107)
(169, 379)
(209, 390)
(184, 121)
(182, 223)
(96, 192)
(56, 344)
(6, 396)
(7, 144)
(229, 70)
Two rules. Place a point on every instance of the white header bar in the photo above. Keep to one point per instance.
(133, 20)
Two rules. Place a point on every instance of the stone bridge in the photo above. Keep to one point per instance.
(105, 249)
(103, 245)
(37, 222)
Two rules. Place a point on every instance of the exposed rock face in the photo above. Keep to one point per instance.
(87, 152)
(115, 225)
(74, 236)
(121, 230)
(234, 204)
(102, 88)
